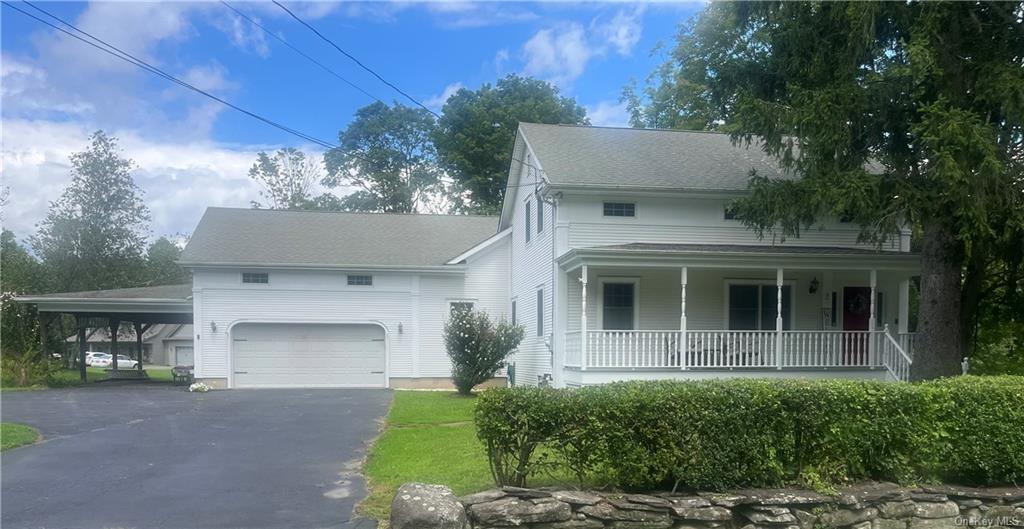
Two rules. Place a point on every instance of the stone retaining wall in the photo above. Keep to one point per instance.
(866, 506)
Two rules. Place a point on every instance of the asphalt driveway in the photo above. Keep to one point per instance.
(154, 456)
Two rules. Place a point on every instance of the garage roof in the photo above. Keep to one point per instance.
(268, 238)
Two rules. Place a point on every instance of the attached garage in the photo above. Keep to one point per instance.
(308, 355)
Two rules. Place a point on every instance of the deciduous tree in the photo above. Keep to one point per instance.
(891, 113)
(94, 235)
(386, 153)
(476, 129)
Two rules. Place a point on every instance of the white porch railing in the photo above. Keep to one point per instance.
(893, 357)
(633, 349)
(730, 349)
(906, 341)
(827, 348)
(736, 349)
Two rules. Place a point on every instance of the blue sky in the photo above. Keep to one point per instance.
(193, 153)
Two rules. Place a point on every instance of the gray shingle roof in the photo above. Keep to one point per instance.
(676, 159)
(747, 249)
(175, 292)
(254, 237)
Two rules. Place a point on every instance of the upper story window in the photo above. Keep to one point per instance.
(360, 281)
(257, 278)
(513, 312)
(619, 209)
(730, 213)
(528, 214)
(540, 216)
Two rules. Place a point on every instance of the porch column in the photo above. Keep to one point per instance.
(778, 318)
(139, 330)
(114, 326)
(871, 319)
(82, 346)
(583, 319)
(682, 318)
(903, 325)
(44, 323)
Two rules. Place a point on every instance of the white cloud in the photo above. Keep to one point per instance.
(501, 59)
(462, 15)
(438, 101)
(623, 31)
(608, 114)
(559, 54)
(179, 179)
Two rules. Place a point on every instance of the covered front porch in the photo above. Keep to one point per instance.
(674, 311)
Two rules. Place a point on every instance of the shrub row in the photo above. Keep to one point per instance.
(721, 434)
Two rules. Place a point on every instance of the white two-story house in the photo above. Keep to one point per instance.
(627, 264)
(615, 250)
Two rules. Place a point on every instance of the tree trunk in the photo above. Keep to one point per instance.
(938, 351)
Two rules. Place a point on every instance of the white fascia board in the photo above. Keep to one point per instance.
(439, 269)
(480, 246)
(110, 305)
(573, 259)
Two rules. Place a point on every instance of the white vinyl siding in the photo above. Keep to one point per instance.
(531, 270)
(686, 221)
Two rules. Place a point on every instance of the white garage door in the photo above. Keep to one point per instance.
(184, 355)
(308, 355)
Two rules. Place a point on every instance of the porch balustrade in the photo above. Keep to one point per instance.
(702, 349)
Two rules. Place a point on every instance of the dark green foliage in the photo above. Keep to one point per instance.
(387, 155)
(477, 346)
(474, 135)
(288, 179)
(161, 264)
(891, 113)
(738, 433)
(94, 235)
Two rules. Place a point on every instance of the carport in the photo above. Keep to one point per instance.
(140, 307)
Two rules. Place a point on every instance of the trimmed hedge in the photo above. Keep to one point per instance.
(721, 434)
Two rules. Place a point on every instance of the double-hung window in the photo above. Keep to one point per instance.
(527, 220)
(754, 307)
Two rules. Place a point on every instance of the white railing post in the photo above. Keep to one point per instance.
(778, 319)
(682, 319)
(584, 337)
(871, 321)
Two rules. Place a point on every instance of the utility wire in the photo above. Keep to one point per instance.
(129, 58)
(357, 61)
(300, 52)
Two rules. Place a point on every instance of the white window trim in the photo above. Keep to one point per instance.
(635, 281)
(242, 282)
(791, 283)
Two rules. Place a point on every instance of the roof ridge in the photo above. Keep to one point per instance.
(354, 213)
(636, 129)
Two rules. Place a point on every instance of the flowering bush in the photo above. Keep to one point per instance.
(199, 387)
(477, 346)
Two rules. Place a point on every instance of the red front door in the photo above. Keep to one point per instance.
(856, 317)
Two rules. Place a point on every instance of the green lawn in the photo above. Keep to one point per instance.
(69, 377)
(13, 435)
(429, 437)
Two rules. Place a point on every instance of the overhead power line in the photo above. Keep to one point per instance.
(300, 52)
(129, 58)
(357, 61)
